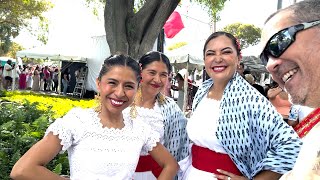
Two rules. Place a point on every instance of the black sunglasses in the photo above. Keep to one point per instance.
(281, 40)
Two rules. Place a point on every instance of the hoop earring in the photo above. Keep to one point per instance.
(98, 101)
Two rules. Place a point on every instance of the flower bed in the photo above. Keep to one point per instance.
(24, 117)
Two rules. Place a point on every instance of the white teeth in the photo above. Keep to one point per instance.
(218, 68)
(116, 102)
(289, 74)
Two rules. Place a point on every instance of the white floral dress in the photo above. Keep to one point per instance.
(98, 153)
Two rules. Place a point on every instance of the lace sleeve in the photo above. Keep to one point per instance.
(65, 128)
(151, 138)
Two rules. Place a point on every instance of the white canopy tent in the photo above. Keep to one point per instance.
(99, 51)
(251, 50)
(187, 57)
(54, 54)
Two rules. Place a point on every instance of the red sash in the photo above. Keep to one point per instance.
(308, 123)
(206, 160)
(146, 163)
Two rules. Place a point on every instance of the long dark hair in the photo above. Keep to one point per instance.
(120, 60)
(152, 56)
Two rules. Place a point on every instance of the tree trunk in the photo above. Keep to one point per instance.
(135, 33)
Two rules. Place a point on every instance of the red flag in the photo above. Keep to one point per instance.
(173, 25)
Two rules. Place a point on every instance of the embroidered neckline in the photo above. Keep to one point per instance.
(97, 122)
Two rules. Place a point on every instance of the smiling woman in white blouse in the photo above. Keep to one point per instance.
(160, 112)
(101, 142)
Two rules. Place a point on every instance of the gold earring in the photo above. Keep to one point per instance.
(139, 94)
(133, 110)
(98, 101)
(161, 98)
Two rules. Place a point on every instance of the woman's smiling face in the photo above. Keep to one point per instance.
(221, 59)
(117, 89)
(154, 77)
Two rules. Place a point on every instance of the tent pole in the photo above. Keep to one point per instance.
(59, 76)
(185, 88)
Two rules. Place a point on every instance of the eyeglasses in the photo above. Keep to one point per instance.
(281, 41)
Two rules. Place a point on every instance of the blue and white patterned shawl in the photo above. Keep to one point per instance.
(175, 135)
(251, 130)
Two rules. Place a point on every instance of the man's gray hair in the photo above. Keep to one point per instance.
(303, 11)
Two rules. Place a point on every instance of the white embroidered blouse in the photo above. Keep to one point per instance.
(95, 152)
(152, 117)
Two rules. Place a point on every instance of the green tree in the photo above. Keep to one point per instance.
(213, 7)
(14, 48)
(133, 26)
(15, 15)
(247, 34)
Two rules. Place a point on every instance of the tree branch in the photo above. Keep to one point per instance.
(150, 19)
(115, 16)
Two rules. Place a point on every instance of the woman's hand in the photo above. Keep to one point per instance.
(273, 92)
(229, 176)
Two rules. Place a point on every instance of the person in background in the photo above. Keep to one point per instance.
(180, 89)
(29, 77)
(50, 80)
(66, 76)
(23, 78)
(158, 111)
(240, 69)
(298, 113)
(167, 88)
(101, 142)
(55, 78)
(47, 78)
(17, 69)
(251, 80)
(7, 74)
(290, 50)
(279, 99)
(42, 81)
(36, 79)
(77, 74)
(236, 132)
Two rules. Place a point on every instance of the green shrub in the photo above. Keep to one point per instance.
(21, 126)
(24, 118)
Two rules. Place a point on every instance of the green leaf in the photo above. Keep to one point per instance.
(58, 169)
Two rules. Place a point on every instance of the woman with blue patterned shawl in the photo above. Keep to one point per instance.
(160, 112)
(236, 132)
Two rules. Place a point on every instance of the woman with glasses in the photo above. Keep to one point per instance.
(279, 99)
(235, 130)
(160, 112)
(295, 67)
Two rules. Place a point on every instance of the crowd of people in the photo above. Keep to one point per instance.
(35, 78)
(234, 132)
(29, 77)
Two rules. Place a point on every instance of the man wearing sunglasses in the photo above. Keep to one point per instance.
(291, 53)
